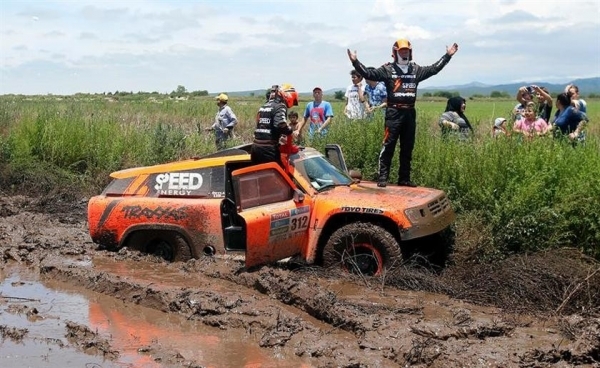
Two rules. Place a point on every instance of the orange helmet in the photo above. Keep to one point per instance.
(287, 93)
(401, 44)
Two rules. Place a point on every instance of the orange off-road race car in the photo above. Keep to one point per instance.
(222, 204)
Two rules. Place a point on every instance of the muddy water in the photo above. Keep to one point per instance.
(127, 327)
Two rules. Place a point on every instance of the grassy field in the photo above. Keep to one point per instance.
(511, 196)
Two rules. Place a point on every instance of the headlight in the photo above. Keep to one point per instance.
(415, 215)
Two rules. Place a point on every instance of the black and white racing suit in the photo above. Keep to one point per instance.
(400, 115)
(271, 124)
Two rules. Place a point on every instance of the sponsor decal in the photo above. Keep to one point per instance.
(159, 212)
(287, 224)
(375, 211)
(280, 215)
(280, 223)
(178, 183)
(405, 94)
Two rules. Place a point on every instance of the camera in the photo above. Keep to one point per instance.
(530, 90)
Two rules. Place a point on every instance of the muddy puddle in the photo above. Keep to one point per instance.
(35, 315)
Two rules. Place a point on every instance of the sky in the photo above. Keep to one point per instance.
(83, 46)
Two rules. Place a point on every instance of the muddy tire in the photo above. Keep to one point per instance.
(362, 248)
(168, 245)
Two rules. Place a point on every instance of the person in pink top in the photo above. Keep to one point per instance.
(529, 125)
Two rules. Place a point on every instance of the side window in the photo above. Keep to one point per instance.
(262, 187)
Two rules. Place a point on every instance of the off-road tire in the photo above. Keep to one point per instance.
(168, 245)
(362, 248)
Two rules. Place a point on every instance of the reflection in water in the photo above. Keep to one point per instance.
(127, 327)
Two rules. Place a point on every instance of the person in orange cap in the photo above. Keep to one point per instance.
(401, 79)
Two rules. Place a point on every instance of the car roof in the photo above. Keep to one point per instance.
(193, 163)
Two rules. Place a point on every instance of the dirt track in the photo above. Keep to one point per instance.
(318, 315)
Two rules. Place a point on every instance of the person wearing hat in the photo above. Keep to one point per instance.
(318, 113)
(225, 121)
(499, 128)
(401, 78)
(271, 124)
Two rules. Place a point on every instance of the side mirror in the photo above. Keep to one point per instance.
(355, 174)
(298, 196)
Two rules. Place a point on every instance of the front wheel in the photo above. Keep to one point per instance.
(362, 248)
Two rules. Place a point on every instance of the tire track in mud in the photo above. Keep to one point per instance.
(303, 311)
(296, 310)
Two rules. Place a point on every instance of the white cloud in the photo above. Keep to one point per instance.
(239, 45)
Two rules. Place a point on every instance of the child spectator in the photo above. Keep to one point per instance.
(530, 125)
(499, 128)
(286, 143)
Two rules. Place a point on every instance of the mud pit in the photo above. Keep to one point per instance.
(125, 309)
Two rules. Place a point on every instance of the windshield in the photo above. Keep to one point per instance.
(320, 173)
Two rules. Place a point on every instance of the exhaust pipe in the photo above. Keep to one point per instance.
(209, 250)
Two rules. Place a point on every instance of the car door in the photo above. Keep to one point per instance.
(275, 212)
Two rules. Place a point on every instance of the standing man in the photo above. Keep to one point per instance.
(401, 79)
(271, 124)
(318, 112)
(225, 121)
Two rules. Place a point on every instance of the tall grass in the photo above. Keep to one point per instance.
(511, 196)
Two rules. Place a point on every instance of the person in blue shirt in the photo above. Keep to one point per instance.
(318, 114)
(377, 96)
(569, 121)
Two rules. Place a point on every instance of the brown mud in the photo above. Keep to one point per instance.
(540, 310)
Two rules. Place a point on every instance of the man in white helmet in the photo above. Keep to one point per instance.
(401, 79)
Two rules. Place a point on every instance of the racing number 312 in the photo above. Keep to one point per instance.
(299, 223)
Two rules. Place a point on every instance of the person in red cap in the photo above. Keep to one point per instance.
(318, 113)
(401, 79)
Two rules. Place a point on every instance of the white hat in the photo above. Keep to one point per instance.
(498, 122)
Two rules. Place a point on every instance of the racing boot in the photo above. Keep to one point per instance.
(406, 183)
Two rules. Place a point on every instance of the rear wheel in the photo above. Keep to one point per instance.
(362, 248)
(168, 245)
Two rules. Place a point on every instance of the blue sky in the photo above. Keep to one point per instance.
(65, 47)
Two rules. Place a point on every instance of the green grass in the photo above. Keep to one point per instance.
(510, 196)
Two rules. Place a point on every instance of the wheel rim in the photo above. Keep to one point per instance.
(363, 258)
(163, 250)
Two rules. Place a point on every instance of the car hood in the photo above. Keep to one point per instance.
(392, 197)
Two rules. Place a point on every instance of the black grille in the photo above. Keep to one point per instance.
(439, 206)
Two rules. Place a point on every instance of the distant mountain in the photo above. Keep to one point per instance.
(586, 86)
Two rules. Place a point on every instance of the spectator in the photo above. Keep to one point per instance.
(401, 79)
(453, 120)
(539, 96)
(225, 121)
(271, 124)
(318, 113)
(530, 125)
(499, 128)
(286, 144)
(569, 121)
(355, 97)
(377, 96)
(576, 101)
